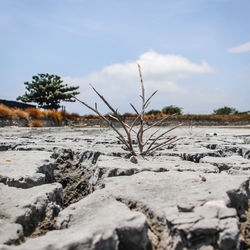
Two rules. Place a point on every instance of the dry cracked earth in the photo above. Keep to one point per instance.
(75, 188)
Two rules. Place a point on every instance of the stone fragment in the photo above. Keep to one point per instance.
(28, 207)
(25, 169)
(10, 233)
(133, 159)
(96, 222)
(229, 236)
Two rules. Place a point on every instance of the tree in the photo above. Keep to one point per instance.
(225, 111)
(48, 91)
(171, 110)
(153, 112)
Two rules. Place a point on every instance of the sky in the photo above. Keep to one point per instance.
(196, 53)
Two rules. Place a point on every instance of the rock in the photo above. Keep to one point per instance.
(229, 235)
(158, 195)
(96, 222)
(110, 167)
(27, 207)
(133, 159)
(25, 169)
(225, 163)
(192, 194)
(10, 233)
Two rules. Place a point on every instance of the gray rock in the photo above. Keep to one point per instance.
(158, 195)
(10, 233)
(28, 207)
(115, 166)
(229, 235)
(225, 163)
(96, 222)
(25, 169)
(178, 198)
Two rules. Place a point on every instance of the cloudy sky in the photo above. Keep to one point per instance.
(195, 52)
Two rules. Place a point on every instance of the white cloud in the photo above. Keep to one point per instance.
(241, 48)
(120, 82)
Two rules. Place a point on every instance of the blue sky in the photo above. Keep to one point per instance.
(195, 52)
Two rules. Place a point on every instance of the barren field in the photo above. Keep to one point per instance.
(75, 188)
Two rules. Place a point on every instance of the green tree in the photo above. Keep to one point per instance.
(153, 112)
(48, 91)
(171, 110)
(225, 111)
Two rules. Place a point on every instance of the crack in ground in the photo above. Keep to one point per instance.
(157, 229)
(74, 170)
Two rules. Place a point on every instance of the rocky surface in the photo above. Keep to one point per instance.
(77, 188)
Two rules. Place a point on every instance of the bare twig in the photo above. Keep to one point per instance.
(140, 131)
(157, 138)
(156, 123)
(130, 128)
(134, 122)
(110, 124)
(164, 144)
(134, 109)
(160, 145)
(118, 117)
(150, 98)
(151, 136)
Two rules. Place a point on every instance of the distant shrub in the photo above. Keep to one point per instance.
(169, 110)
(72, 116)
(129, 115)
(6, 112)
(91, 117)
(35, 113)
(225, 111)
(21, 113)
(53, 115)
(153, 112)
(36, 123)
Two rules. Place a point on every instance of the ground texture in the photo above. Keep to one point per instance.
(75, 188)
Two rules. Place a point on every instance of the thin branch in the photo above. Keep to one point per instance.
(109, 123)
(140, 131)
(151, 136)
(164, 144)
(158, 137)
(139, 139)
(156, 123)
(129, 127)
(133, 123)
(134, 108)
(146, 106)
(150, 97)
(122, 140)
(142, 85)
(118, 116)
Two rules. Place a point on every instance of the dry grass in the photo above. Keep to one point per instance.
(155, 116)
(91, 117)
(21, 113)
(129, 115)
(72, 116)
(216, 117)
(35, 113)
(53, 115)
(6, 112)
(36, 124)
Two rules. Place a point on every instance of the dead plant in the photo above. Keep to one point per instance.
(145, 147)
(36, 124)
